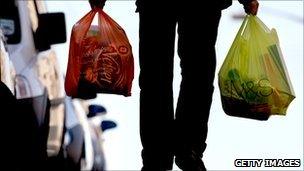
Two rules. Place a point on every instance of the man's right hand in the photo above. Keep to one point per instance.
(97, 3)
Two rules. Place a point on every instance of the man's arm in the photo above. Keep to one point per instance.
(250, 6)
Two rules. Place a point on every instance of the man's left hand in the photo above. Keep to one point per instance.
(252, 7)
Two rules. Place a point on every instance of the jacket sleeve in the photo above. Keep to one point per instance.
(245, 1)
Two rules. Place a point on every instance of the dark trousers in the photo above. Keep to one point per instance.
(164, 134)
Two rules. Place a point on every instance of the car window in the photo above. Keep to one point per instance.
(10, 22)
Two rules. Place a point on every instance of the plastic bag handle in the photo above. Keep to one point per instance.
(243, 26)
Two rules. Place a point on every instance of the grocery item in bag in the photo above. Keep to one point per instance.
(100, 59)
(253, 79)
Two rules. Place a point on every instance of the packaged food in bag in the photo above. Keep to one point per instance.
(253, 79)
(100, 58)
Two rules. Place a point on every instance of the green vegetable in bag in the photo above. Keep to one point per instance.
(253, 79)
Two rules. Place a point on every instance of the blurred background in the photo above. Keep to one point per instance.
(229, 138)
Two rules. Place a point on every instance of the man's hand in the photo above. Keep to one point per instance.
(251, 7)
(97, 3)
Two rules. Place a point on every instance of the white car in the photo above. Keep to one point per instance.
(38, 84)
(54, 132)
(83, 138)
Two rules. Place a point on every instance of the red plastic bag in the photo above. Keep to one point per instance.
(100, 58)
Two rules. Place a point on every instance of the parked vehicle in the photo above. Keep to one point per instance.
(83, 138)
(38, 85)
(49, 131)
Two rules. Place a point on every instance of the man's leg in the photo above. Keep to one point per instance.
(197, 53)
(156, 52)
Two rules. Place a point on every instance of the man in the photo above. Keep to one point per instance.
(163, 134)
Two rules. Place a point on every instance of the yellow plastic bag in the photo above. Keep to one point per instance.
(253, 79)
